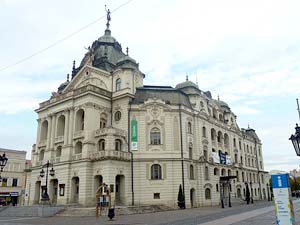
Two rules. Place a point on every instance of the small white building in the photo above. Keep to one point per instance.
(105, 125)
(12, 182)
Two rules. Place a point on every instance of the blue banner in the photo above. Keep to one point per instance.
(280, 181)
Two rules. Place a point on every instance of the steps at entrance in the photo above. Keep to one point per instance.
(119, 210)
(30, 211)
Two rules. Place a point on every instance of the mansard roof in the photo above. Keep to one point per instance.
(168, 94)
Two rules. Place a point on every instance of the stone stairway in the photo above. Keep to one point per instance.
(119, 210)
(30, 211)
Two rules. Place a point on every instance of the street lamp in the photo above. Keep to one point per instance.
(268, 192)
(295, 138)
(3, 161)
(251, 191)
(45, 196)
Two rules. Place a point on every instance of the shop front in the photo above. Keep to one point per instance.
(10, 198)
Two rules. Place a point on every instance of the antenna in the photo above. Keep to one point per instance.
(298, 108)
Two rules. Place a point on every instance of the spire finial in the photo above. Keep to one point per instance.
(107, 17)
(248, 126)
(218, 98)
(73, 69)
(186, 78)
(68, 75)
(127, 50)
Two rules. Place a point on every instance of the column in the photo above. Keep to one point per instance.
(38, 134)
(53, 125)
(71, 127)
(67, 122)
(49, 132)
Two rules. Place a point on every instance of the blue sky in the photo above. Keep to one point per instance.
(247, 52)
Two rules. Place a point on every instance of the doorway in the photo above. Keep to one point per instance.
(120, 190)
(192, 197)
(53, 188)
(37, 195)
(75, 190)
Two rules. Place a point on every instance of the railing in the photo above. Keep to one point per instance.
(42, 143)
(109, 154)
(59, 139)
(77, 156)
(110, 130)
(78, 134)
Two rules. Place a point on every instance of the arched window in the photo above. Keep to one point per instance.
(223, 172)
(229, 172)
(192, 172)
(190, 151)
(234, 142)
(213, 134)
(217, 187)
(247, 149)
(216, 171)
(78, 147)
(240, 145)
(58, 151)
(44, 130)
(226, 139)
(103, 120)
(189, 127)
(155, 136)
(207, 193)
(101, 145)
(118, 84)
(60, 126)
(243, 177)
(79, 123)
(118, 145)
(220, 137)
(206, 173)
(237, 176)
(41, 155)
(220, 117)
(156, 172)
(235, 158)
(118, 116)
(204, 131)
(214, 113)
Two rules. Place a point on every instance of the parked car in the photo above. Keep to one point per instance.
(2, 202)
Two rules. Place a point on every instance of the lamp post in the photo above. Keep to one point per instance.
(295, 138)
(251, 192)
(45, 196)
(268, 192)
(3, 161)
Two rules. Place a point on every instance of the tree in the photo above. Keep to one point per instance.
(181, 198)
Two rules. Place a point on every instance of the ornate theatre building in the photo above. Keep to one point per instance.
(104, 126)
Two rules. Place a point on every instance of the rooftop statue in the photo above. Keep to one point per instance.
(107, 17)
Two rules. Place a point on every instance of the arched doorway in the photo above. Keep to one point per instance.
(53, 187)
(98, 180)
(238, 191)
(75, 190)
(192, 197)
(37, 194)
(120, 190)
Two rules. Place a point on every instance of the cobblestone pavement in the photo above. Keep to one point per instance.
(259, 214)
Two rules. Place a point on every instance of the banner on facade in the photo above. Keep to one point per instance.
(282, 199)
(222, 158)
(216, 157)
(134, 135)
(228, 160)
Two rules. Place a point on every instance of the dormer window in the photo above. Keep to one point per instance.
(118, 84)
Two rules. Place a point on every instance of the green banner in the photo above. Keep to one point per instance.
(134, 131)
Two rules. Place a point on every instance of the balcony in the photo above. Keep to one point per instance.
(77, 157)
(111, 131)
(109, 154)
(43, 143)
(59, 139)
(78, 134)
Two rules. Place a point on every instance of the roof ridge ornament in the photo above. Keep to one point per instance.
(108, 18)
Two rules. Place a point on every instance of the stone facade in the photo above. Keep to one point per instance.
(13, 178)
(84, 130)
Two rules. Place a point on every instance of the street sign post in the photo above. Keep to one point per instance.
(282, 199)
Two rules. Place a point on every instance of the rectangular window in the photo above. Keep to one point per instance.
(155, 138)
(4, 182)
(15, 182)
(156, 195)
